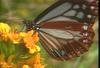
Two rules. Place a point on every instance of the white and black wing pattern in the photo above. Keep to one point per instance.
(83, 11)
(62, 32)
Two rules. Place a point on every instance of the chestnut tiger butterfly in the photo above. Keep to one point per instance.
(65, 28)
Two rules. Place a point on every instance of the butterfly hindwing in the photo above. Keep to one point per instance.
(64, 43)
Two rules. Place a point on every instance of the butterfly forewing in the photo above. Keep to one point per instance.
(79, 10)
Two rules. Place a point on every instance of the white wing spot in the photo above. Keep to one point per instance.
(92, 7)
(89, 16)
(85, 27)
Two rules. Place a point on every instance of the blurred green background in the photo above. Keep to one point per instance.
(13, 11)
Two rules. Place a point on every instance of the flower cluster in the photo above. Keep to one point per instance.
(30, 40)
(27, 38)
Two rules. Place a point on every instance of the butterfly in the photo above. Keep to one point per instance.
(65, 28)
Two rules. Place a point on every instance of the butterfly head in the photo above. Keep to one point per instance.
(31, 26)
(35, 26)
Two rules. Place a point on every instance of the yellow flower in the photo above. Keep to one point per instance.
(22, 34)
(28, 38)
(25, 66)
(14, 37)
(4, 31)
(30, 41)
(35, 61)
(4, 28)
(4, 36)
(34, 49)
(36, 38)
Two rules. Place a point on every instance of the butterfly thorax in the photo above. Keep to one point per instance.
(31, 26)
(35, 26)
